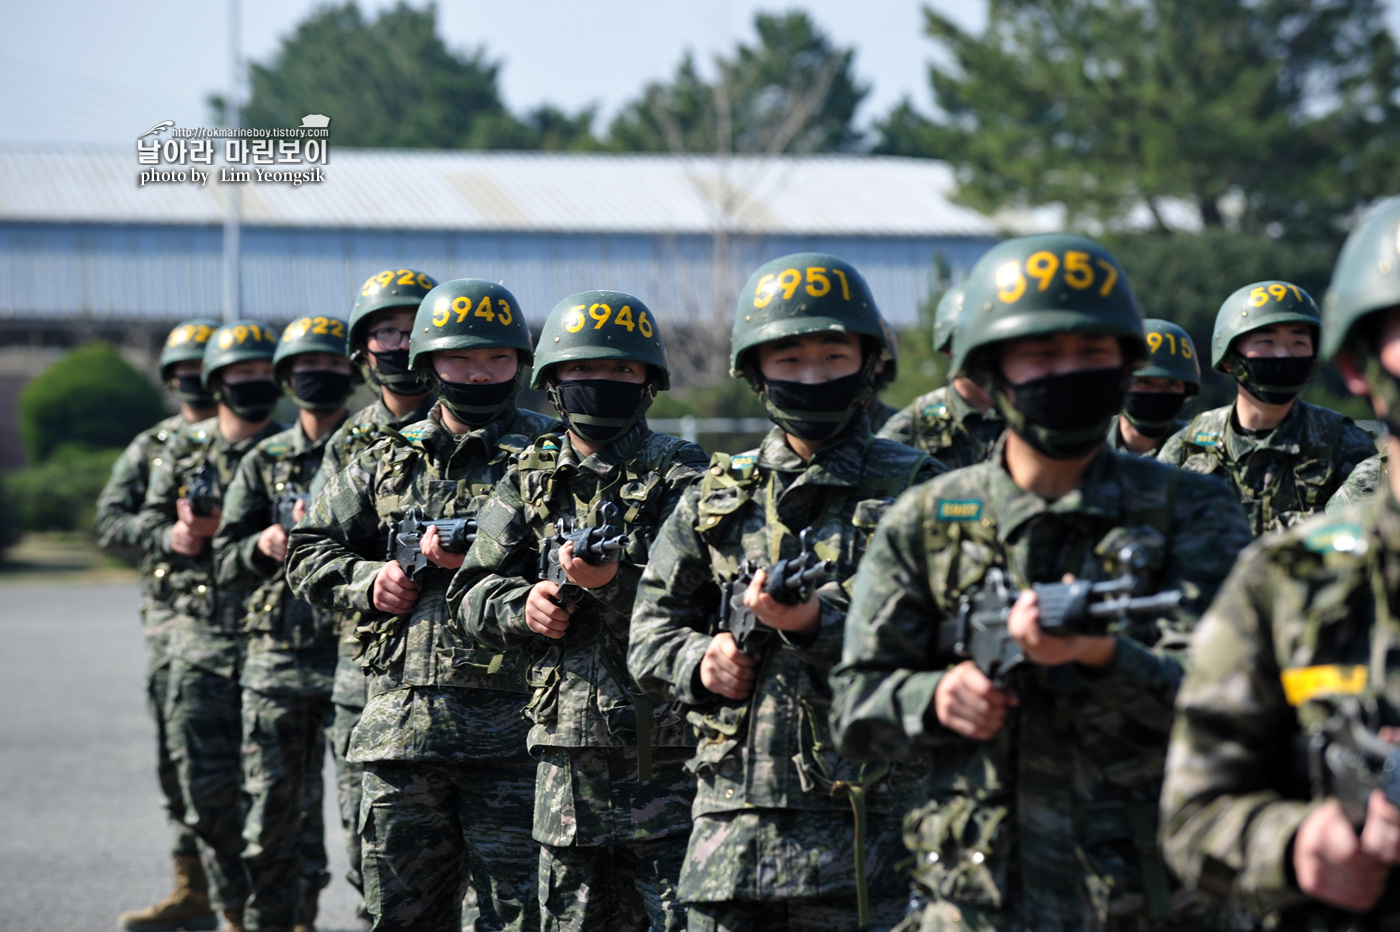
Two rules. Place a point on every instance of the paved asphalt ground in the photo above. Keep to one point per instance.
(82, 833)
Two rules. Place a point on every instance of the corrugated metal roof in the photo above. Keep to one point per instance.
(386, 189)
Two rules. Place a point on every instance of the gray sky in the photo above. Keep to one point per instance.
(99, 71)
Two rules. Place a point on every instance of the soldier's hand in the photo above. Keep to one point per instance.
(204, 527)
(967, 702)
(581, 572)
(1380, 838)
(1049, 650)
(542, 616)
(272, 542)
(393, 591)
(1330, 863)
(805, 618)
(431, 545)
(726, 670)
(183, 540)
(299, 510)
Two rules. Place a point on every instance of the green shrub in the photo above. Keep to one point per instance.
(93, 397)
(61, 493)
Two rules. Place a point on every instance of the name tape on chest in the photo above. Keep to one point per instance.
(959, 509)
(1303, 683)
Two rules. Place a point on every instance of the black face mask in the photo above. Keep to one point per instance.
(393, 373)
(320, 389)
(1064, 416)
(1152, 414)
(251, 401)
(476, 404)
(817, 411)
(188, 390)
(601, 410)
(1274, 380)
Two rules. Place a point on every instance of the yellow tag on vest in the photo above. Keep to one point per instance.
(1303, 683)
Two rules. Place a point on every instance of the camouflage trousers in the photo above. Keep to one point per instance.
(612, 846)
(429, 829)
(348, 697)
(813, 914)
(284, 853)
(204, 726)
(182, 837)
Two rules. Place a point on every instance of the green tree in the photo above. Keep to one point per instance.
(393, 82)
(90, 398)
(1262, 115)
(793, 91)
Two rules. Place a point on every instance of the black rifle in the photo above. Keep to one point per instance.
(1080, 607)
(602, 543)
(789, 582)
(284, 509)
(1347, 759)
(201, 492)
(455, 535)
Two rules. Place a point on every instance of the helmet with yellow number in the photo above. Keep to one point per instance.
(187, 341)
(1366, 279)
(806, 292)
(387, 290)
(1259, 305)
(945, 318)
(239, 341)
(468, 313)
(602, 325)
(1171, 355)
(309, 335)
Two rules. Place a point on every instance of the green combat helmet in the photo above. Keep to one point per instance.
(1040, 285)
(388, 290)
(1172, 355)
(471, 313)
(886, 376)
(187, 342)
(241, 341)
(1273, 380)
(1366, 280)
(601, 325)
(322, 390)
(807, 292)
(945, 319)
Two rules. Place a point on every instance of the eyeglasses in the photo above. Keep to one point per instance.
(389, 336)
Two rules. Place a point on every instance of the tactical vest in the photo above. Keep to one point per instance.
(426, 648)
(1294, 493)
(732, 485)
(639, 491)
(965, 823)
(938, 431)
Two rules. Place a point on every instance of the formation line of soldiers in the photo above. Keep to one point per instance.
(577, 675)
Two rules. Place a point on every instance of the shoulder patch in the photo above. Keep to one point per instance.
(743, 460)
(414, 433)
(937, 409)
(277, 450)
(199, 435)
(959, 509)
(1206, 438)
(549, 445)
(1341, 538)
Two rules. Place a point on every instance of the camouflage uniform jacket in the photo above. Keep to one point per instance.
(1283, 477)
(290, 645)
(433, 695)
(208, 620)
(118, 521)
(945, 426)
(583, 696)
(773, 750)
(1051, 824)
(1361, 485)
(1297, 623)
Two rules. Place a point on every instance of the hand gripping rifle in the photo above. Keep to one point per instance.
(1347, 759)
(284, 508)
(979, 631)
(789, 582)
(406, 539)
(201, 493)
(602, 543)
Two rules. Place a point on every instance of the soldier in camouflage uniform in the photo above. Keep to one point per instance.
(957, 423)
(381, 322)
(1041, 810)
(178, 519)
(1158, 391)
(1304, 627)
(1361, 485)
(886, 371)
(1284, 457)
(779, 816)
(290, 646)
(447, 781)
(118, 525)
(612, 800)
